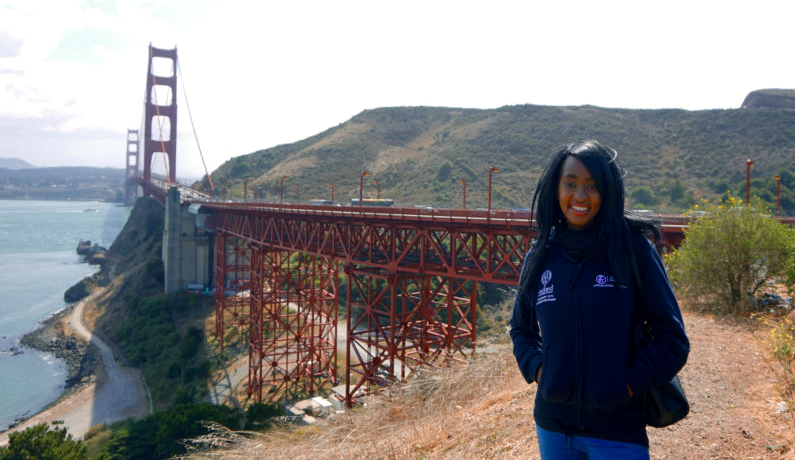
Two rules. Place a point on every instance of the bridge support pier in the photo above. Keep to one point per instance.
(186, 253)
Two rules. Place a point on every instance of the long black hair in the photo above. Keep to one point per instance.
(612, 224)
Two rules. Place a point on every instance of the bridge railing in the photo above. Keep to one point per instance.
(509, 218)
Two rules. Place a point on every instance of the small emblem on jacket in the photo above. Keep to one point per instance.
(546, 293)
(546, 277)
(605, 281)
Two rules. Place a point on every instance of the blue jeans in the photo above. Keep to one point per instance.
(558, 446)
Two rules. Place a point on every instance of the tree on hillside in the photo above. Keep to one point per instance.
(40, 442)
(676, 191)
(643, 196)
(731, 253)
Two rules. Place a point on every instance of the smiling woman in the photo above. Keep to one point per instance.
(581, 284)
(578, 195)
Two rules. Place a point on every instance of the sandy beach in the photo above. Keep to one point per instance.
(117, 394)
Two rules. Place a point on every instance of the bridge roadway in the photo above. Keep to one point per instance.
(468, 244)
(516, 222)
(411, 284)
(473, 244)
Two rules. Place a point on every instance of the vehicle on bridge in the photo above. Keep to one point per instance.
(373, 202)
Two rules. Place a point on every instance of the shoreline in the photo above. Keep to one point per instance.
(81, 359)
(111, 393)
(54, 336)
(51, 337)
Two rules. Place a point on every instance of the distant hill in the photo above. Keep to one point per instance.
(770, 99)
(63, 183)
(418, 154)
(14, 163)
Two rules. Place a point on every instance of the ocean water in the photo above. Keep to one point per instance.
(38, 263)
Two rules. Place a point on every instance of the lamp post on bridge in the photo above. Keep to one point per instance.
(332, 192)
(778, 195)
(491, 170)
(245, 189)
(464, 194)
(748, 164)
(297, 198)
(281, 189)
(361, 185)
(378, 184)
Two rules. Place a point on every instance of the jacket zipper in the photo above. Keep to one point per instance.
(578, 359)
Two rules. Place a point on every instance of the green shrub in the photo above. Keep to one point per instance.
(259, 415)
(40, 442)
(444, 171)
(154, 268)
(644, 196)
(151, 340)
(160, 435)
(730, 254)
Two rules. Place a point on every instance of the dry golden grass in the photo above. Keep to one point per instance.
(470, 411)
(484, 411)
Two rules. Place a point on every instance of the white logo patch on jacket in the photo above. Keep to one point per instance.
(546, 293)
(603, 281)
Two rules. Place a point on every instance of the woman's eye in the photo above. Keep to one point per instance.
(591, 187)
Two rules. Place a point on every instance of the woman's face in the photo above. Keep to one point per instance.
(577, 193)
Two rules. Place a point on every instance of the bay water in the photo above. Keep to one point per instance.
(38, 263)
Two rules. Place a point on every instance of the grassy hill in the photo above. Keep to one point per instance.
(418, 154)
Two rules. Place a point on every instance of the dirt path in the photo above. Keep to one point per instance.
(121, 395)
(227, 386)
(737, 409)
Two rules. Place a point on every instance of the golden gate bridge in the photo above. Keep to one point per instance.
(409, 275)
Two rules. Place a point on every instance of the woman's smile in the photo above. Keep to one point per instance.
(578, 194)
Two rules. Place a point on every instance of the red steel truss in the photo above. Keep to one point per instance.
(397, 323)
(488, 248)
(411, 289)
(232, 280)
(293, 328)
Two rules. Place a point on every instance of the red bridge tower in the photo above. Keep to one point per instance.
(160, 120)
(131, 179)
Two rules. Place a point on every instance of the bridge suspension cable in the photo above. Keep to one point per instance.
(193, 127)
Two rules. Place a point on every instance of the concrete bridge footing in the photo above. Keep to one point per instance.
(187, 247)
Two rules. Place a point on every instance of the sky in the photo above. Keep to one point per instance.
(257, 74)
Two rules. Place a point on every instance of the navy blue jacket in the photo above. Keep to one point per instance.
(577, 324)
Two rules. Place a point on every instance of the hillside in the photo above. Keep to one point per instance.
(770, 98)
(418, 154)
(14, 163)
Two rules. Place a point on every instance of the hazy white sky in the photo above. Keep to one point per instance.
(263, 73)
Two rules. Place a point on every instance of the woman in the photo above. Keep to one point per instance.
(575, 310)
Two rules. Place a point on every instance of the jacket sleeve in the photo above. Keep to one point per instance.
(664, 356)
(525, 332)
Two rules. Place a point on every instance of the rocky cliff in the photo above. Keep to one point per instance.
(770, 99)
